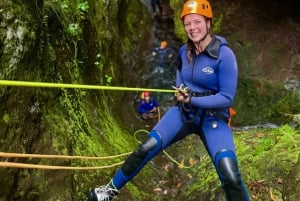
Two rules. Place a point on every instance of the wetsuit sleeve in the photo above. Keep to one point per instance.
(227, 82)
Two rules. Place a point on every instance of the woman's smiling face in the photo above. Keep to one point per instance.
(196, 26)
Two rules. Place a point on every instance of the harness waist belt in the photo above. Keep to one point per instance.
(216, 113)
(204, 93)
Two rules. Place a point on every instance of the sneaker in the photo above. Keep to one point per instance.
(103, 193)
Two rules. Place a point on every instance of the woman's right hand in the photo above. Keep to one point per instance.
(181, 96)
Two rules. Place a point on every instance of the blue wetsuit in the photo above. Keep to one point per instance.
(212, 78)
(145, 107)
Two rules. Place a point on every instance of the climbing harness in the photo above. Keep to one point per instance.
(185, 110)
(188, 111)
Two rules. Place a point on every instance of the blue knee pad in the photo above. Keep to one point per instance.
(138, 159)
(227, 167)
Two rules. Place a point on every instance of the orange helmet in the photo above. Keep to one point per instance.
(163, 44)
(201, 7)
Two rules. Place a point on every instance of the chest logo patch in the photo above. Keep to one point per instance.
(208, 70)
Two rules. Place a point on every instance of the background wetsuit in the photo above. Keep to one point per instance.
(145, 107)
(162, 56)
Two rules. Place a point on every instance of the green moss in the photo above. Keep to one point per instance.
(176, 5)
(264, 102)
(279, 146)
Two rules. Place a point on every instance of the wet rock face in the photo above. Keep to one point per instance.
(17, 35)
(291, 184)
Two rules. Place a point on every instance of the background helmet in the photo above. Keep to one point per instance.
(146, 94)
(201, 7)
(163, 44)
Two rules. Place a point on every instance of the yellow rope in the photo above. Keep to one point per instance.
(78, 86)
(51, 167)
(19, 155)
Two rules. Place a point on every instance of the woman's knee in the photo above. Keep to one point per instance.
(150, 146)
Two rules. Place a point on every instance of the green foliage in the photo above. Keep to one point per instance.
(217, 24)
(264, 103)
(99, 63)
(100, 66)
(138, 194)
(74, 106)
(273, 151)
(6, 117)
(245, 53)
(83, 6)
(266, 144)
(286, 108)
(69, 11)
(108, 79)
(179, 29)
(205, 178)
(74, 29)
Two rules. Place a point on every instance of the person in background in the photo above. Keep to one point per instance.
(148, 106)
(162, 55)
(206, 82)
(156, 4)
